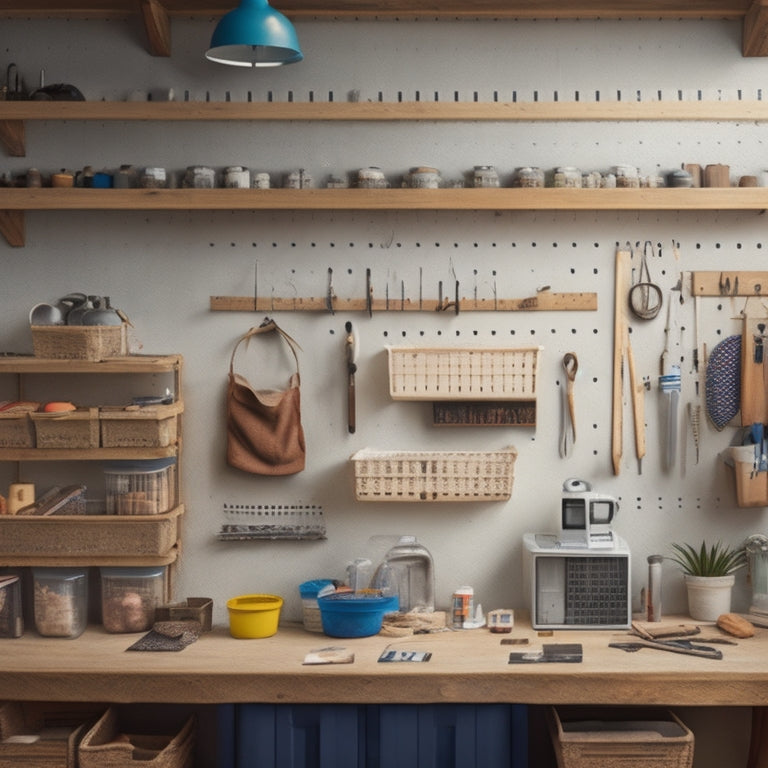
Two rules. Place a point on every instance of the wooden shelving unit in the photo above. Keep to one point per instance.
(101, 539)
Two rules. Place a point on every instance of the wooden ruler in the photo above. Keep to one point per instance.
(543, 301)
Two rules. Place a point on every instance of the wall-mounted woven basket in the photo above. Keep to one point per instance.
(434, 475)
(475, 373)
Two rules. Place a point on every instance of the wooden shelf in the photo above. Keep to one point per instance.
(86, 454)
(14, 202)
(157, 14)
(14, 114)
(129, 364)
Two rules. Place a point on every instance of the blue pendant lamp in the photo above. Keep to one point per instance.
(254, 35)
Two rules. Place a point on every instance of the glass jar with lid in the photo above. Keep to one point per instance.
(485, 176)
(529, 177)
(627, 176)
(61, 601)
(567, 176)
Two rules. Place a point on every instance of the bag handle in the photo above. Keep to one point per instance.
(267, 326)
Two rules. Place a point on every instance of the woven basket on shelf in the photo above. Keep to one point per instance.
(79, 342)
(434, 476)
(106, 746)
(16, 431)
(67, 429)
(154, 426)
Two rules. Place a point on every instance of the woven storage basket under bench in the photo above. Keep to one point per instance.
(434, 475)
(107, 745)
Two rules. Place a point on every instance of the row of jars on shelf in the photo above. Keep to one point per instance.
(371, 177)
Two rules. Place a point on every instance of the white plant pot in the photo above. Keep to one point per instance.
(709, 596)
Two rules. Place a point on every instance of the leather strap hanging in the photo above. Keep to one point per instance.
(264, 432)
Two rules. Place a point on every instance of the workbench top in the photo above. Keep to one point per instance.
(466, 666)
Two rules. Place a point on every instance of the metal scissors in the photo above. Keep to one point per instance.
(568, 427)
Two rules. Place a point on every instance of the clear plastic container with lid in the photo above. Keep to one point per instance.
(129, 596)
(61, 601)
(408, 572)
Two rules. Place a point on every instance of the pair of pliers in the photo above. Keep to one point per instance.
(568, 427)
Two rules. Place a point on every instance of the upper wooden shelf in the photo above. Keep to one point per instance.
(157, 14)
(14, 114)
(13, 202)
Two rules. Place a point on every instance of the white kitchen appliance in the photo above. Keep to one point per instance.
(579, 578)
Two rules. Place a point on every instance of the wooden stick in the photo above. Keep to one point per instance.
(638, 405)
(619, 321)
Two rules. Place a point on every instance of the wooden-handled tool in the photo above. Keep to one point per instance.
(619, 341)
(638, 406)
(351, 347)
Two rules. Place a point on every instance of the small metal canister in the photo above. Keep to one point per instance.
(300, 179)
(153, 178)
(237, 177)
(485, 176)
(424, 177)
(567, 176)
(371, 177)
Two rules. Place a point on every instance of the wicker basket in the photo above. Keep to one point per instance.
(16, 431)
(79, 342)
(434, 476)
(106, 746)
(153, 426)
(67, 429)
(463, 374)
(55, 747)
(619, 737)
(92, 536)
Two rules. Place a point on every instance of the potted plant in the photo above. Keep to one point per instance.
(709, 577)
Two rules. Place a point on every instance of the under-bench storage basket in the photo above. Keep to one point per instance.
(154, 426)
(434, 475)
(34, 743)
(619, 737)
(106, 745)
(475, 373)
(79, 342)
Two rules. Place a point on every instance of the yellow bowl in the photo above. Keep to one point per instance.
(252, 616)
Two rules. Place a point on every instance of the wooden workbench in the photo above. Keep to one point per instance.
(466, 666)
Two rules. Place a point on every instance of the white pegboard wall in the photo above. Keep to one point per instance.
(163, 266)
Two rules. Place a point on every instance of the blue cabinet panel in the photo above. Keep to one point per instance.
(375, 736)
(297, 736)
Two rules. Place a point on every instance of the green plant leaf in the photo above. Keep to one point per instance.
(716, 560)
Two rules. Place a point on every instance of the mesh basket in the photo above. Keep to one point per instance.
(434, 476)
(463, 374)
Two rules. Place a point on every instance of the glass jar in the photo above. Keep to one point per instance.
(61, 601)
(627, 176)
(129, 596)
(567, 176)
(485, 176)
(529, 177)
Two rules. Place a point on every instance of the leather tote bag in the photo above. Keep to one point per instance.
(264, 432)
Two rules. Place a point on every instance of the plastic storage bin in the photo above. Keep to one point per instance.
(140, 487)
(408, 572)
(11, 617)
(129, 597)
(61, 601)
(310, 610)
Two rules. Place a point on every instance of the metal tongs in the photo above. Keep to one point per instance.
(675, 646)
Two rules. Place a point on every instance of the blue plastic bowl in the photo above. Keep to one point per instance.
(349, 614)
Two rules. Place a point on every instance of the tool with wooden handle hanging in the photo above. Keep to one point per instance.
(619, 342)
(637, 388)
(670, 385)
(351, 348)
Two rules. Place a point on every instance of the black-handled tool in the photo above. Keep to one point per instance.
(351, 345)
